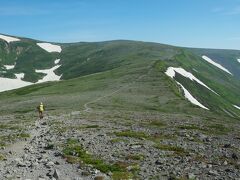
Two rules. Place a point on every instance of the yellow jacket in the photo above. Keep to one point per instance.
(41, 107)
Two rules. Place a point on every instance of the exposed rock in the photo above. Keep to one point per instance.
(213, 172)
(227, 145)
(56, 174)
(234, 156)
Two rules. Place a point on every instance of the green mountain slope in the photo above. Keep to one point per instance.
(117, 111)
(225, 85)
(227, 58)
(27, 56)
(128, 59)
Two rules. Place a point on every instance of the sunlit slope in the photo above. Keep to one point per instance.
(26, 56)
(228, 58)
(92, 70)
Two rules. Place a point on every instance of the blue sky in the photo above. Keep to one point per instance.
(192, 23)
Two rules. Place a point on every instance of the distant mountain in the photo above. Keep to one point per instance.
(209, 79)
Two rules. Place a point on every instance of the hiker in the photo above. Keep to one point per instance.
(40, 109)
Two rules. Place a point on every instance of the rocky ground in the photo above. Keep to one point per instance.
(133, 145)
(34, 158)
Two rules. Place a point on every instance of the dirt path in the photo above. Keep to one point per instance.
(35, 159)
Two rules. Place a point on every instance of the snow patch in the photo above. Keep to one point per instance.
(191, 98)
(57, 61)
(236, 107)
(171, 73)
(238, 60)
(216, 64)
(8, 38)
(50, 47)
(50, 75)
(8, 67)
(9, 84)
(19, 76)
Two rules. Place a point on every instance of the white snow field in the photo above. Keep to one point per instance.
(191, 98)
(8, 67)
(8, 38)
(50, 75)
(50, 47)
(171, 73)
(9, 84)
(216, 64)
(57, 61)
(20, 76)
(236, 106)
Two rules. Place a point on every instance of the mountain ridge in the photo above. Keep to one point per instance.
(119, 110)
(86, 58)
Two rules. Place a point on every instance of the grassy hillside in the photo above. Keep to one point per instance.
(115, 110)
(87, 58)
(225, 85)
(125, 59)
(27, 56)
(143, 88)
(227, 58)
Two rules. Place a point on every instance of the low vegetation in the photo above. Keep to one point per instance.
(75, 153)
(133, 134)
(2, 157)
(175, 149)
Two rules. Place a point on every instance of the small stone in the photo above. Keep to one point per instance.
(191, 139)
(35, 164)
(44, 123)
(225, 163)
(56, 154)
(202, 137)
(209, 166)
(213, 172)
(96, 171)
(229, 170)
(40, 177)
(208, 139)
(85, 173)
(8, 176)
(191, 176)
(25, 156)
(158, 162)
(49, 174)
(234, 156)
(56, 174)
(49, 164)
(28, 163)
(19, 162)
(136, 146)
(227, 145)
